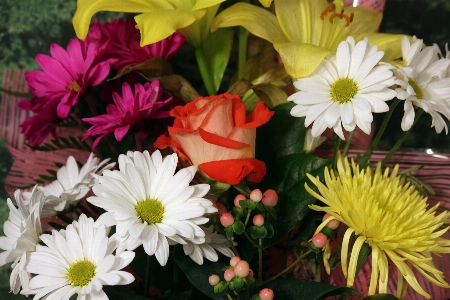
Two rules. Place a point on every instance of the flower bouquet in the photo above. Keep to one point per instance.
(207, 149)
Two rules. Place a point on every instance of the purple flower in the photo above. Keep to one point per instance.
(67, 74)
(129, 110)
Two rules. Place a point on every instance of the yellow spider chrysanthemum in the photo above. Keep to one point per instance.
(389, 215)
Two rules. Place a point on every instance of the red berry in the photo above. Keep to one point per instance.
(258, 220)
(319, 240)
(266, 294)
(270, 198)
(256, 195)
(226, 220)
(250, 274)
(237, 199)
(234, 260)
(213, 279)
(241, 269)
(221, 209)
(228, 274)
(333, 224)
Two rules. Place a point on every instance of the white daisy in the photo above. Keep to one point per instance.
(206, 246)
(77, 260)
(424, 83)
(72, 184)
(149, 204)
(345, 89)
(22, 230)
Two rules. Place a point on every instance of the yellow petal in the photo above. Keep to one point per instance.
(256, 20)
(173, 19)
(87, 8)
(197, 32)
(354, 260)
(266, 3)
(300, 60)
(201, 4)
(299, 20)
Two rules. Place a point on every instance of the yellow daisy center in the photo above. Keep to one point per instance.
(81, 273)
(74, 86)
(344, 89)
(150, 211)
(417, 90)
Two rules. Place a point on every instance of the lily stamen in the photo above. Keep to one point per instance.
(348, 19)
(330, 8)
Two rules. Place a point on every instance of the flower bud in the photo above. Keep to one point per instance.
(221, 209)
(241, 269)
(226, 220)
(234, 260)
(266, 294)
(237, 199)
(258, 220)
(270, 198)
(256, 195)
(228, 274)
(333, 224)
(213, 279)
(319, 240)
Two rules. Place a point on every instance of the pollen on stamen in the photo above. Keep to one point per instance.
(330, 8)
(348, 19)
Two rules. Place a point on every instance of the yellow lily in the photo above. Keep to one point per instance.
(157, 20)
(266, 3)
(304, 32)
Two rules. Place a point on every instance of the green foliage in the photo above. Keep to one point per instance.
(381, 297)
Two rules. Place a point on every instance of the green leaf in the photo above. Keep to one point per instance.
(238, 227)
(217, 49)
(270, 94)
(301, 290)
(229, 232)
(198, 274)
(381, 297)
(169, 295)
(6, 295)
(270, 231)
(363, 254)
(115, 293)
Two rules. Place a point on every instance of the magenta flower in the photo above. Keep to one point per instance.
(129, 110)
(124, 43)
(42, 123)
(67, 74)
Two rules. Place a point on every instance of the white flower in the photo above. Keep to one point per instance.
(72, 184)
(77, 260)
(424, 83)
(22, 230)
(149, 204)
(198, 248)
(345, 89)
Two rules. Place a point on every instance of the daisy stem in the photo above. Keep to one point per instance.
(347, 144)
(147, 276)
(401, 139)
(204, 71)
(365, 158)
(260, 264)
(302, 256)
(337, 143)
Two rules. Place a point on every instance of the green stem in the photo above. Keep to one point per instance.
(147, 276)
(290, 267)
(138, 141)
(260, 264)
(248, 217)
(229, 297)
(365, 158)
(204, 71)
(401, 139)
(347, 144)
(230, 242)
(337, 143)
(251, 240)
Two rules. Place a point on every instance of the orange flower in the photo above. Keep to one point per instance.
(215, 134)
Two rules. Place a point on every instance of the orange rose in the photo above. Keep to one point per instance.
(215, 134)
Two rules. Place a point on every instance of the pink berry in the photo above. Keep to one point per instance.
(234, 260)
(213, 279)
(333, 224)
(226, 220)
(221, 209)
(266, 294)
(319, 240)
(237, 199)
(228, 274)
(241, 269)
(258, 220)
(270, 198)
(250, 274)
(256, 195)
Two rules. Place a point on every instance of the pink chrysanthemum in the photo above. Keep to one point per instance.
(42, 123)
(123, 43)
(67, 74)
(129, 110)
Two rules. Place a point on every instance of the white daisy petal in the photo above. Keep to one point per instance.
(54, 279)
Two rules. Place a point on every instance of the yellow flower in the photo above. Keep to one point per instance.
(390, 216)
(157, 20)
(305, 31)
